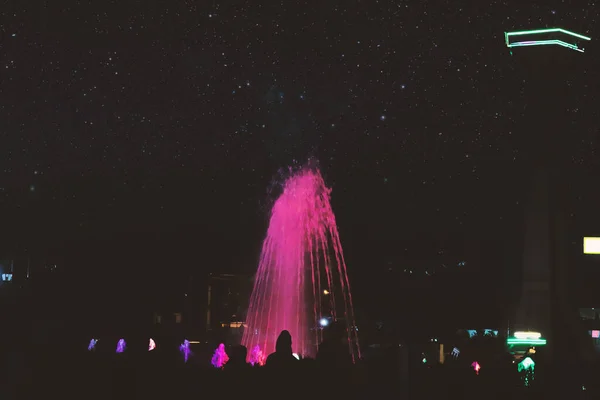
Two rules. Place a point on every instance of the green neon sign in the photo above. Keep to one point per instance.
(531, 342)
(546, 42)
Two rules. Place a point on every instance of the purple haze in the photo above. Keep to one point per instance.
(301, 275)
(121, 345)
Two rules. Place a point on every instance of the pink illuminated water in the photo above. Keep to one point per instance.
(220, 357)
(257, 357)
(301, 275)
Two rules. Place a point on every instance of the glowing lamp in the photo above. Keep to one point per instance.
(526, 338)
(324, 322)
(591, 245)
(527, 335)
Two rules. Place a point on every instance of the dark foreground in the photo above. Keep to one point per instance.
(156, 376)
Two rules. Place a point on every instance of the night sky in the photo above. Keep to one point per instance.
(128, 120)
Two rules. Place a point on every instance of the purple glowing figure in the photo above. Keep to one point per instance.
(220, 357)
(184, 348)
(92, 345)
(121, 346)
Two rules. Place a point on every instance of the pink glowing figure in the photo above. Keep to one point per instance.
(301, 276)
(476, 367)
(151, 345)
(220, 357)
(257, 357)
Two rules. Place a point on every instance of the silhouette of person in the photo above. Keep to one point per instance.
(237, 358)
(334, 351)
(283, 356)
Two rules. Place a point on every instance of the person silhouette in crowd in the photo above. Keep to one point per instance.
(334, 351)
(283, 356)
(237, 359)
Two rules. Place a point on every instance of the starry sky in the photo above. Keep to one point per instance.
(128, 120)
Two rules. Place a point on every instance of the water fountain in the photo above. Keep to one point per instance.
(301, 275)
(220, 357)
(121, 346)
(257, 357)
(184, 349)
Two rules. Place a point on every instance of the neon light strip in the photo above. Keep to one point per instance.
(507, 36)
(546, 42)
(531, 342)
(551, 30)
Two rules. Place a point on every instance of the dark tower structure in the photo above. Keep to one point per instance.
(545, 63)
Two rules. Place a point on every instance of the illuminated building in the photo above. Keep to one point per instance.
(543, 59)
(585, 285)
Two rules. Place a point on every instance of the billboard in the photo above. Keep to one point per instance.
(591, 245)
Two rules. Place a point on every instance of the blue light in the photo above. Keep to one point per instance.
(324, 322)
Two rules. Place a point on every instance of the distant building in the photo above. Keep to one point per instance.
(227, 301)
(585, 288)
